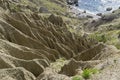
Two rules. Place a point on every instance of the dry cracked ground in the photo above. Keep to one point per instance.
(33, 47)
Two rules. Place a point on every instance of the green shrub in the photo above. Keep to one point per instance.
(88, 72)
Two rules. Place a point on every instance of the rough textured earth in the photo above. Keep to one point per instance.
(34, 47)
(16, 74)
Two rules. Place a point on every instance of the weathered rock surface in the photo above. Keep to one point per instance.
(51, 75)
(43, 10)
(16, 74)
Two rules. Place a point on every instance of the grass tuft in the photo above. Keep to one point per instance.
(88, 72)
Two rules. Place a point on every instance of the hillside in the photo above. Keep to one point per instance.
(47, 44)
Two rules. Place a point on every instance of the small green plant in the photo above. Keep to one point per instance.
(88, 72)
(101, 38)
(77, 78)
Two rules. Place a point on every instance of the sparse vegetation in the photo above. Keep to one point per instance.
(77, 77)
(108, 37)
(99, 37)
(88, 72)
(58, 64)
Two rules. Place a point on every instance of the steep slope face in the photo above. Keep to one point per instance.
(89, 59)
(32, 42)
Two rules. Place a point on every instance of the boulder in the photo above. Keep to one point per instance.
(109, 9)
(43, 10)
(109, 17)
(84, 11)
(57, 20)
(99, 14)
(89, 16)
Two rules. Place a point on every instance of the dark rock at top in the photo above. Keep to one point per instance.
(99, 14)
(76, 4)
(89, 16)
(71, 2)
(43, 10)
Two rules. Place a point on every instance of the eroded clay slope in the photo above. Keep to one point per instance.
(33, 42)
